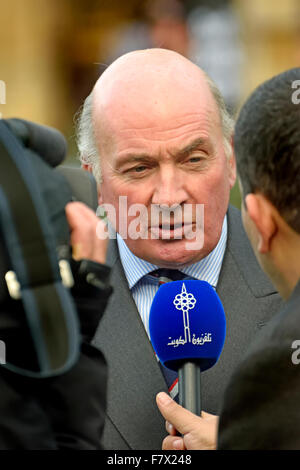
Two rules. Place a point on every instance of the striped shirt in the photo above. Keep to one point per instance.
(143, 287)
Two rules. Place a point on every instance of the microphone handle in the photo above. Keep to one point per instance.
(189, 387)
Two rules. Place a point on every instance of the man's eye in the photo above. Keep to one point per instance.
(195, 160)
(139, 169)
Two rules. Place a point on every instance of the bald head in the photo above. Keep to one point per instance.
(142, 89)
(151, 66)
(148, 86)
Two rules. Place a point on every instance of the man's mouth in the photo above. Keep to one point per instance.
(175, 231)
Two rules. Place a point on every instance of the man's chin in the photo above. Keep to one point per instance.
(171, 253)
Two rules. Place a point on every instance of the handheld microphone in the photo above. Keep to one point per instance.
(187, 330)
(46, 141)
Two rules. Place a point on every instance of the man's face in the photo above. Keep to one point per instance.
(162, 154)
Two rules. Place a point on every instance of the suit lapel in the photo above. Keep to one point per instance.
(134, 374)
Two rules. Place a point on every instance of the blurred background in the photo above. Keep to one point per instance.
(52, 52)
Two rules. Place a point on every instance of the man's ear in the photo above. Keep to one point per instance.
(261, 212)
(88, 168)
(232, 166)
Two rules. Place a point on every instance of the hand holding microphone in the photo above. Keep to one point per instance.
(198, 433)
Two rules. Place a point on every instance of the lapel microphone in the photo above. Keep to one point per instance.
(187, 329)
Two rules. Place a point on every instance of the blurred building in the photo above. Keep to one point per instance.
(51, 52)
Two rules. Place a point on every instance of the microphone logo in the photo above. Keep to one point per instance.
(185, 301)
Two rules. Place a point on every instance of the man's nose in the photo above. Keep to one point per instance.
(169, 188)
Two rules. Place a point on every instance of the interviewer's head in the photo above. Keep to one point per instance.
(267, 148)
(164, 137)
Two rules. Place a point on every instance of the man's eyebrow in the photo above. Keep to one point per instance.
(191, 146)
(132, 158)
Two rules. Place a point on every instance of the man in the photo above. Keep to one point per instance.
(260, 409)
(155, 130)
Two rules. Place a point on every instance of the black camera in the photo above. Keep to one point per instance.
(35, 274)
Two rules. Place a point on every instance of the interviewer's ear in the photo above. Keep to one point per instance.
(261, 212)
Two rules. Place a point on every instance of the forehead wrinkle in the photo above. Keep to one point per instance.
(179, 124)
(175, 153)
(201, 126)
(131, 157)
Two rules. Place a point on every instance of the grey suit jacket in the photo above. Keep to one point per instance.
(133, 420)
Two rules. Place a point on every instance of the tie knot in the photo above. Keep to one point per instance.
(167, 275)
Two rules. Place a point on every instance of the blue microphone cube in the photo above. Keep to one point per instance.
(187, 324)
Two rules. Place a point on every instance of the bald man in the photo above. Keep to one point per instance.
(155, 132)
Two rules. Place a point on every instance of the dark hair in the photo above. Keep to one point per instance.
(267, 144)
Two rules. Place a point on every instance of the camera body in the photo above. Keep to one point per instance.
(37, 313)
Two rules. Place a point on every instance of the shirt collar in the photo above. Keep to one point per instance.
(207, 269)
